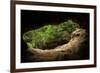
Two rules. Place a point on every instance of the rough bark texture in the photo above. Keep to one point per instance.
(66, 51)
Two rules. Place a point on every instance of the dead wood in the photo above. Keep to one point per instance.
(69, 50)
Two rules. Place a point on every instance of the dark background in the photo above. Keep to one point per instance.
(35, 19)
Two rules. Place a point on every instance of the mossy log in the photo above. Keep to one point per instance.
(69, 50)
(50, 35)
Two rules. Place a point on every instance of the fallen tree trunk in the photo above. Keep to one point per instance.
(69, 50)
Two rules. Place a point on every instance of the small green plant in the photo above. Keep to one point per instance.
(50, 36)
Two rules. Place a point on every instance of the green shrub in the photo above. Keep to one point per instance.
(50, 36)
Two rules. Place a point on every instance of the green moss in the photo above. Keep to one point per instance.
(50, 36)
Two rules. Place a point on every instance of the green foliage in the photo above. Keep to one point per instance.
(50, 36)
(70, 26)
